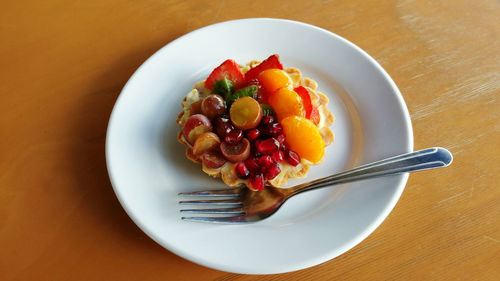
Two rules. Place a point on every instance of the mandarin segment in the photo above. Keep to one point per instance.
(274, 79)
(304, 138)
(286, 102)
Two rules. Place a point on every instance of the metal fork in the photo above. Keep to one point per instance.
(241, 205)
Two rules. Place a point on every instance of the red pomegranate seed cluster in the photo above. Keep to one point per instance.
(235, 124)
(257, 152)
(268, 149)
(242, 170)
(267, 146)
(253, 134)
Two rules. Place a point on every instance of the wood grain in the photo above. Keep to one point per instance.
(64, 64)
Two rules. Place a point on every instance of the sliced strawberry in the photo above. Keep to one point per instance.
(315, 115)
(312, 112)
(271, 62)
(306, 99)
(230, 70)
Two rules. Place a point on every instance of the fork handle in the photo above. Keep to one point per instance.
(425, 159)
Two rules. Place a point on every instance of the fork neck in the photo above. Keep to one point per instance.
(424, 159)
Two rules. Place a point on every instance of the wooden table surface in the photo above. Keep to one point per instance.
(63, 64)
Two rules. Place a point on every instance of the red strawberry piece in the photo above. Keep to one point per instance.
(230, 70)
(315, 115)
(306, 100)
(270, 63)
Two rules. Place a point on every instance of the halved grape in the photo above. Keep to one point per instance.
(236, 152)
(246, 113)
(195, 126)
(195, 108)
(213, 160)
(213, 105)
(205, 142)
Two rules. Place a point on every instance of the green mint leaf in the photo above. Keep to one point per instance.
(267, 109)
(224, 88)
(250, 91)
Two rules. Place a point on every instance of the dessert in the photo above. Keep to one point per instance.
(255, 125)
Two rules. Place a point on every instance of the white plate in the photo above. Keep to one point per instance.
(147, 166)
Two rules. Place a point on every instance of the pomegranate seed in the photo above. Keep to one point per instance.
(272, 130)
(265, 161)
(213, 159)
(257, 182)
(280, 138)
(242, 170)
(255, 144)
(267, 120)
(272, 171)
(284, 147)
(261, 94)
(278, 156)
(252, 165)
(223, 126)
(234, 136)
(253, 134)
(267, 146)
(264, 131)
(292, 158)
(275, 129)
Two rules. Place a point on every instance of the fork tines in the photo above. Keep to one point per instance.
(215, 207)
(232, 192)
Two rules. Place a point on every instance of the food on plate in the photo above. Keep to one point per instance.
(256, 125)
(245, 113)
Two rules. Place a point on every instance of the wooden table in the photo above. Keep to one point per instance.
(63, 64)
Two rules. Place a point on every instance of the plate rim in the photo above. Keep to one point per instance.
(309, 262)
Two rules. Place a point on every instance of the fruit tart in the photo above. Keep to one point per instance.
(255, 125)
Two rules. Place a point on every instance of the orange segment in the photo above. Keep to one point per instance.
(274, 79)
(286, 102)
(304, 138)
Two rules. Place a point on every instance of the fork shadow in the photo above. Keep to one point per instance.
(87, 165)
